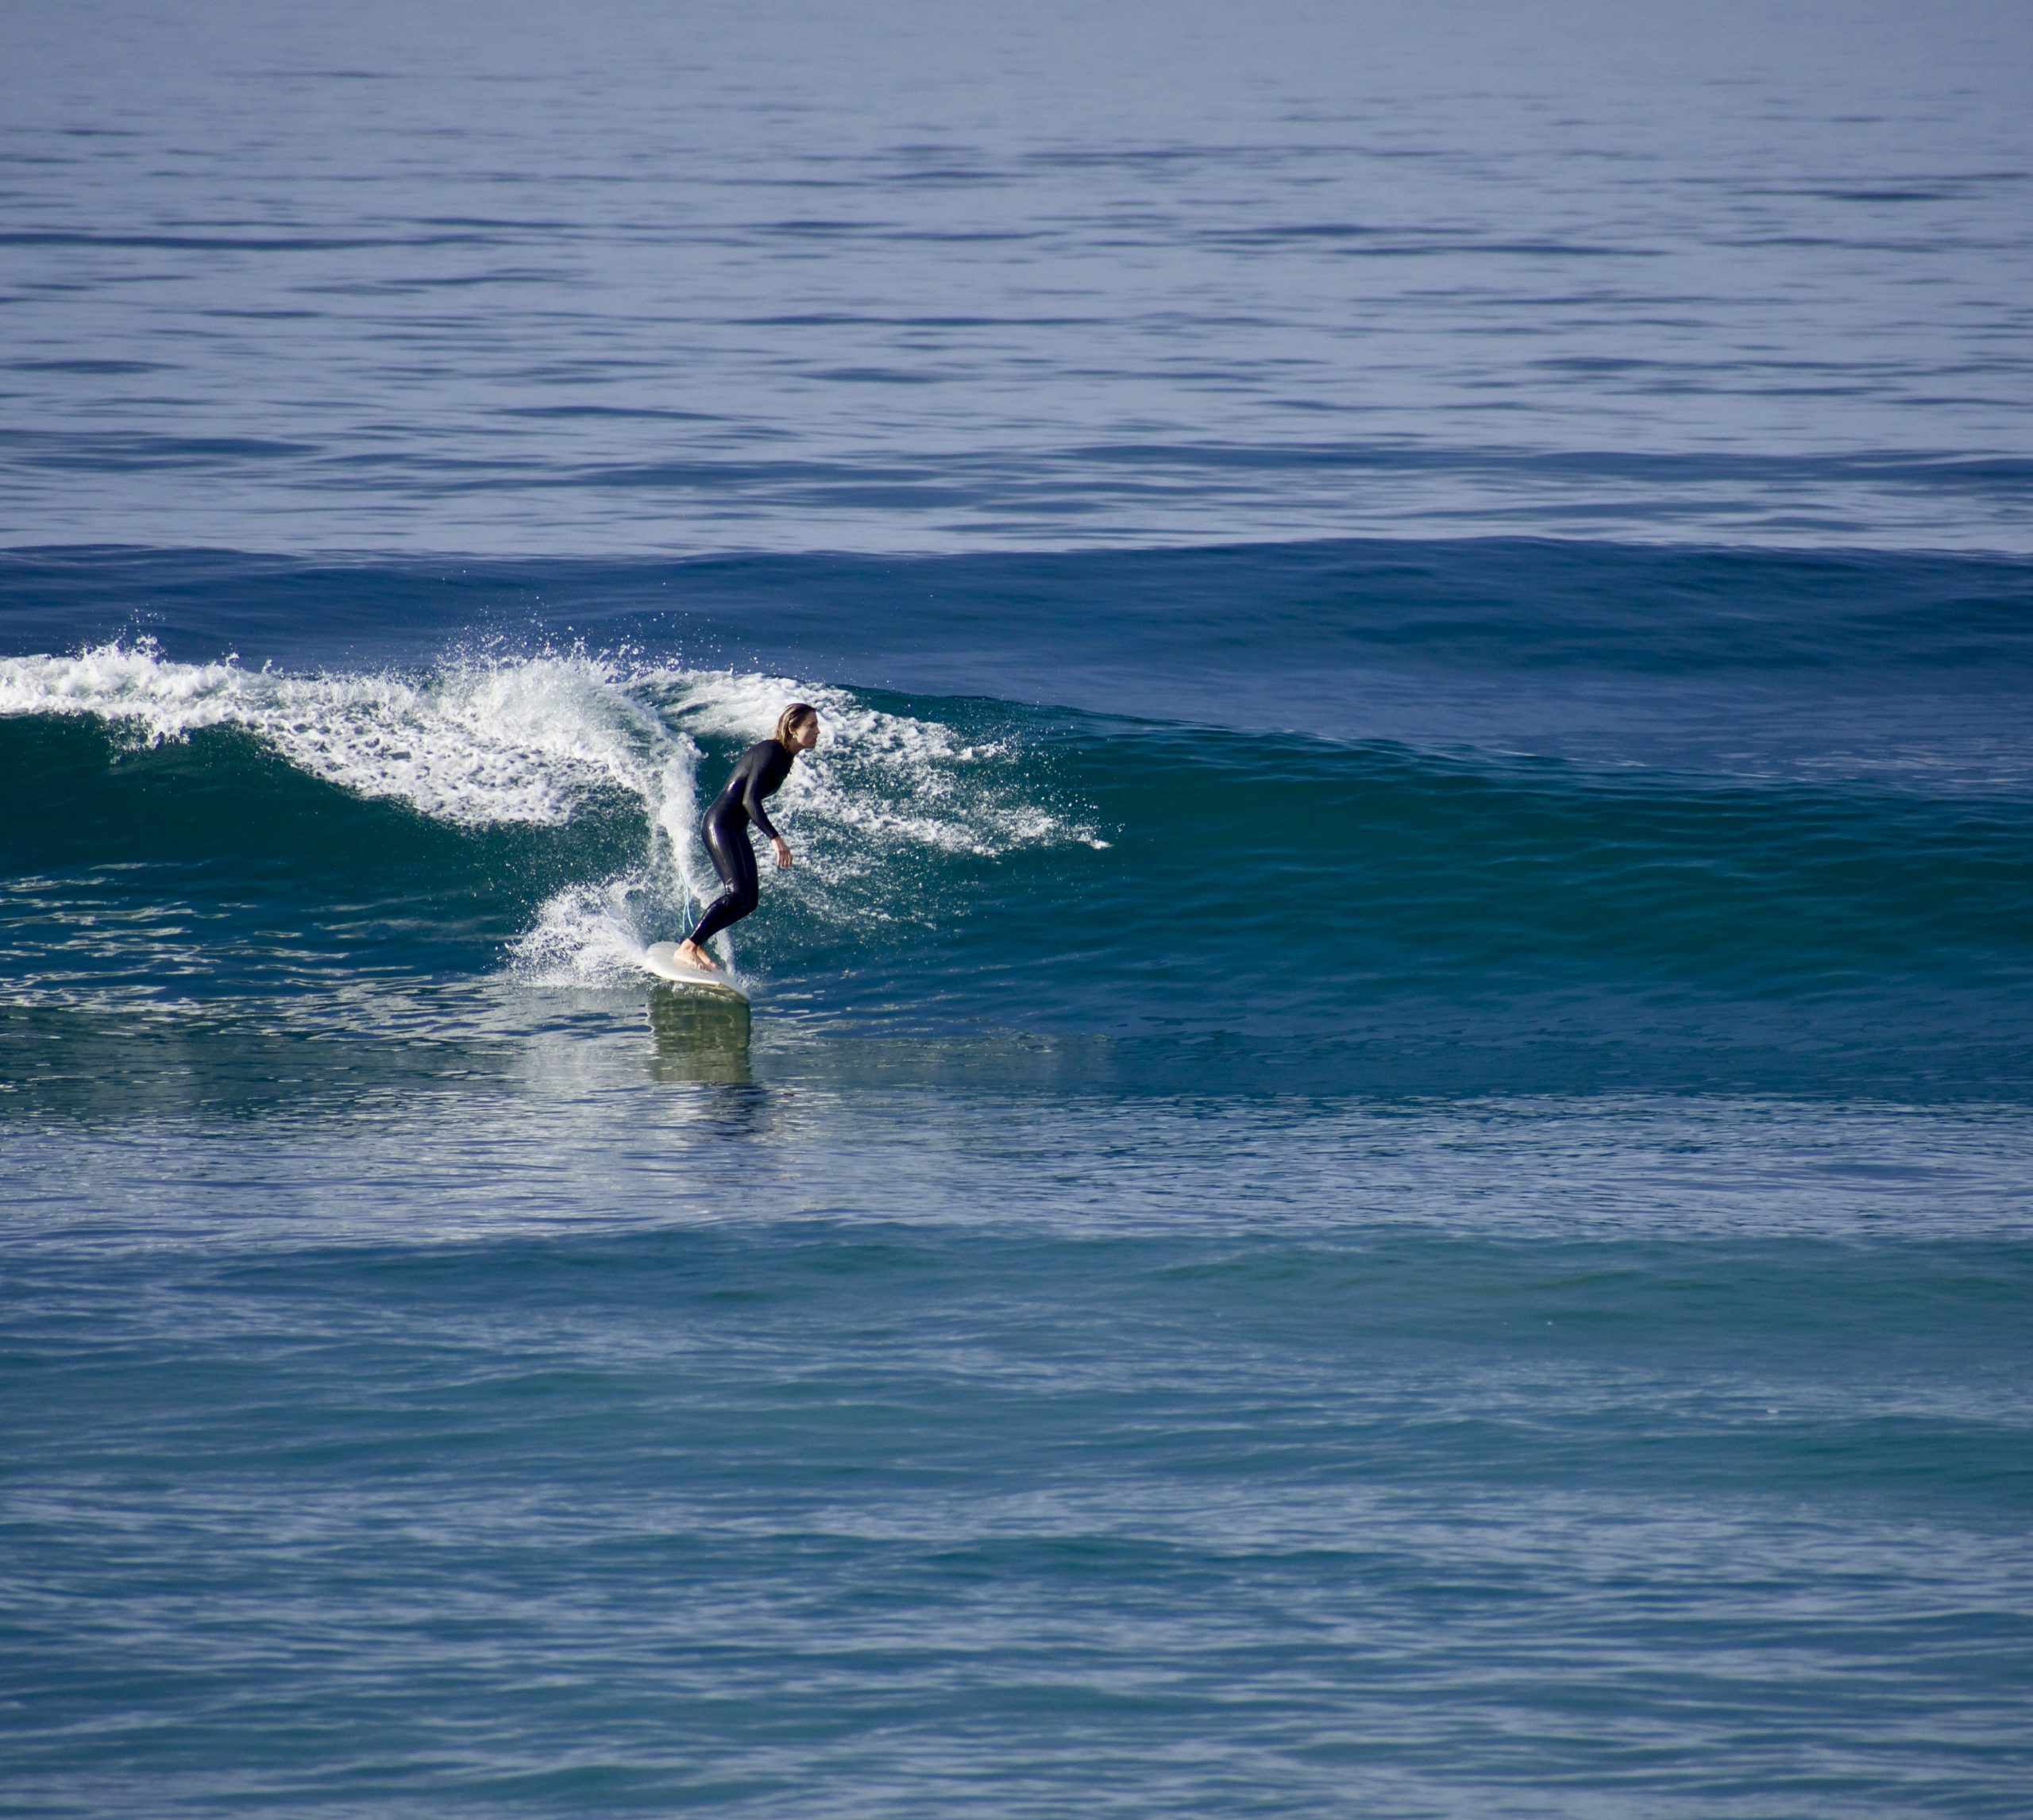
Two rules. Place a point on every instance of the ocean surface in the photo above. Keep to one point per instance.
(1382, 1159)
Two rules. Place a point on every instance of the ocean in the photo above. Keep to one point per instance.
(1379, 1161)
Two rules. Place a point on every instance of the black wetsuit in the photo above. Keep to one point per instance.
(762, 771)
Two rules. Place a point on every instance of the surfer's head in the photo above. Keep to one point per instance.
(797, 727)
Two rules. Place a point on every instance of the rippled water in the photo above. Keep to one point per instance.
(677, 277)
(1369, 1173)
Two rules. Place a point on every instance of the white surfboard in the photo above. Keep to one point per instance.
(660, 959)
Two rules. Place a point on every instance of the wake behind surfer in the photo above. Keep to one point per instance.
(761, 772)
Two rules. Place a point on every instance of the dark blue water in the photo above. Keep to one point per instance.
(1380, 1160)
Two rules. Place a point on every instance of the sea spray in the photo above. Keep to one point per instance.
(473, 743)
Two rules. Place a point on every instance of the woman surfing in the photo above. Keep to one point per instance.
(761, 772)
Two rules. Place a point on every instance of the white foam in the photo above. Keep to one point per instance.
(877, 783)
(533, 739)
(475, 743)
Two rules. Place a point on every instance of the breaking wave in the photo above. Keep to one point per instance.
(484, 742)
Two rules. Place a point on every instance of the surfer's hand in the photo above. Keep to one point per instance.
(784, 856)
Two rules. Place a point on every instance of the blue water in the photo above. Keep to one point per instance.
(1380, 1164)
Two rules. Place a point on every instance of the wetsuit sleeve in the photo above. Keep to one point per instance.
(757, 783)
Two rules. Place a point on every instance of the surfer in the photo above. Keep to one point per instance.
(763, 768)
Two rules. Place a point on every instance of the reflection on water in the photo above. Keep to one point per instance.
(699, 1035)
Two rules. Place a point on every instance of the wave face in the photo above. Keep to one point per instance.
(1666, 816)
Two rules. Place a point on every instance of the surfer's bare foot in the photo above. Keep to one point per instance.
(692, 955)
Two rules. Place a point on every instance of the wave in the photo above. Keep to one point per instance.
(1477, 796)
(555, 741)
(973, 853)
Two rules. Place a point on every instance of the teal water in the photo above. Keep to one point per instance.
(1380, 1160)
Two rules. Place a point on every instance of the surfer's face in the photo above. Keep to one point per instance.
(805, 735)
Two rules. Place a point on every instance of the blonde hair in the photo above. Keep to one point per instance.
(792, 719)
